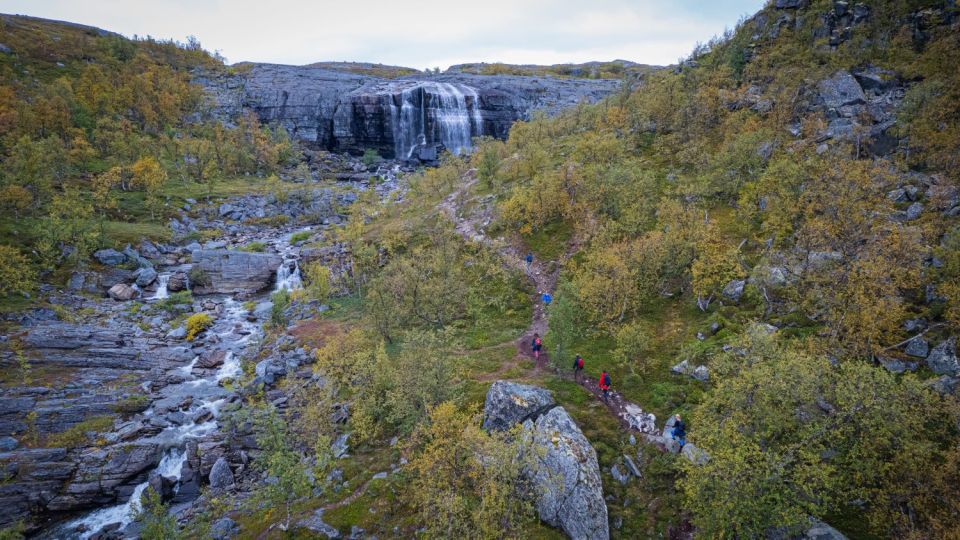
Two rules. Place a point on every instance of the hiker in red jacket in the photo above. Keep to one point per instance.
(536, 346)
(577, 367)
(605, 385)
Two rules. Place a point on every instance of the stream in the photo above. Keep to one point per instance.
(231, 333)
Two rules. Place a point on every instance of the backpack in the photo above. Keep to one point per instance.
(606, 380)
(580, 363)
(537, 342)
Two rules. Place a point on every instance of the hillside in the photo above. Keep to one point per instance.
(296, 342)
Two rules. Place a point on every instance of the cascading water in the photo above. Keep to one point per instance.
(162, 292)
(289, 279)
(434, 112)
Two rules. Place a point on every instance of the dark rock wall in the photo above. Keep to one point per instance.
(341, 111)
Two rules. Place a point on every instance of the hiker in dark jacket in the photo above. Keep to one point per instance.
(577, 367)
(536, 346)
(679, 431)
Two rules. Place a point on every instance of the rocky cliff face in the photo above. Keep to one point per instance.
(342, 111)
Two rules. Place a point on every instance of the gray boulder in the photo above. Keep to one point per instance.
(914, 211)
(315, 524)
(178, 281)
(917, 347)
(224, 529)
(694, 454)
(509, 404)
(566, 475)
(110, 257)
(233, 272)
(122, 292)
(840, 90)
(734, 289)
(790, 4)
(145, 276)
(943, 358)
(221, 476)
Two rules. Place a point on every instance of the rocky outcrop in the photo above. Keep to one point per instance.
(343, 111)
(567, 476)
(234, 272)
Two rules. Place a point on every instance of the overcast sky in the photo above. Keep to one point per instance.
(414, 33)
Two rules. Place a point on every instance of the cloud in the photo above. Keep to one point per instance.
(415, 33)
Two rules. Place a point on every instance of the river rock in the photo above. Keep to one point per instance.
(122, 292)
(145, 276)
(234, 272)
(567, 477)
(211, 360)
(178, 281)
(221, 476)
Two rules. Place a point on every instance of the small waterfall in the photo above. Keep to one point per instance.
(170, 466)
(288, 279)
(162, 293)
(433, 112)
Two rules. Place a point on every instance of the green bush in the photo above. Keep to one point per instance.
(254, 247)
(76, 435)
(199, 276)
(174, 301)
(300, 236)
(280, 299)
(370, 156)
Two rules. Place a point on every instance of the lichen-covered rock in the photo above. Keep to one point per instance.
(567, 476)
(943, 358)
(574, 503)
(509, 404)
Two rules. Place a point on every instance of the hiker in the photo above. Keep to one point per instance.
(529, 259)
(605, 385)
(536, 346)
(577, 367)
(679, 431)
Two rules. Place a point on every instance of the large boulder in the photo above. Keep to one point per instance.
(509, 404)
(566, 475)
(110, 257)
(840, 90)
(221, 476)
(122, 292)
(233, 272)
(943, 358)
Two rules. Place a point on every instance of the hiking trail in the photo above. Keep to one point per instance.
(470, 224)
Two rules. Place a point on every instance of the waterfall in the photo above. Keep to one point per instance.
(433, 112)
(288, 279)
(170, 466)
(161, 293)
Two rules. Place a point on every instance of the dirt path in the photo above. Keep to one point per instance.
(543, 275)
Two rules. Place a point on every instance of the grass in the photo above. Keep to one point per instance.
(549, 243)
(77, 434)
(254, 247)
(300, 236)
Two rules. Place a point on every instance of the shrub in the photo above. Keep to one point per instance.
(16, 273)
(370, 156)
(300, 236)
(318, 280)
(76, 435)
(199, 276)
(174, 301)
(280, 299)
(254, 247)
(132, 404)
(196, 324)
